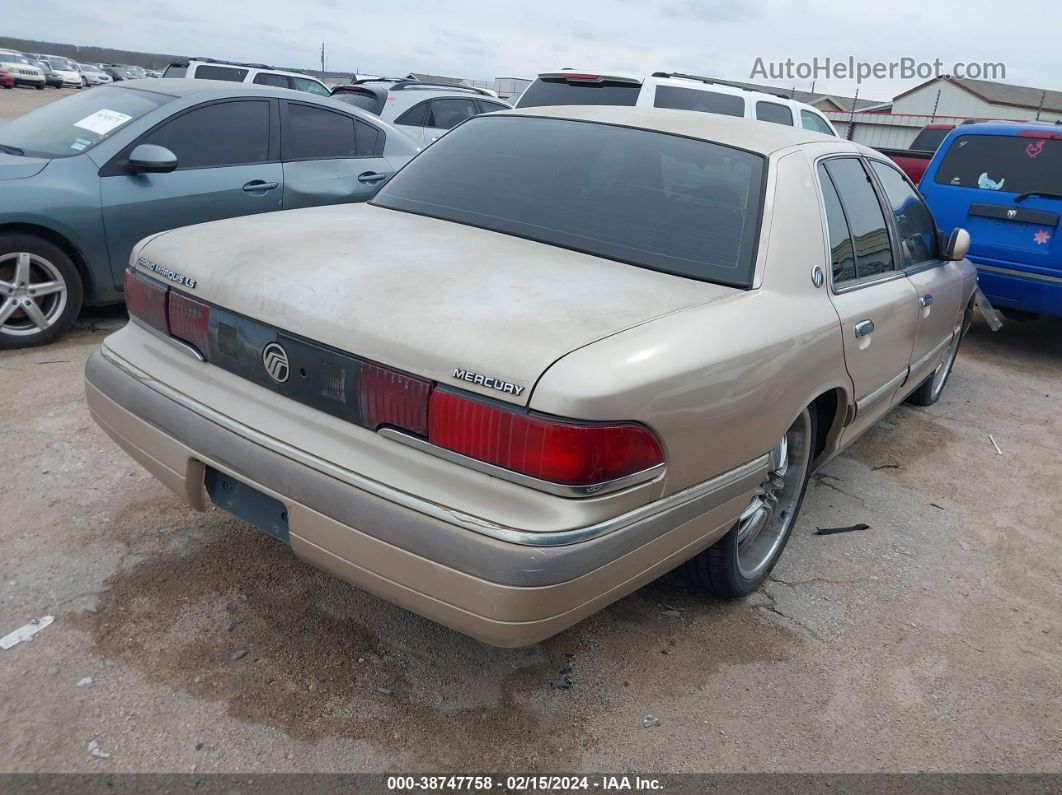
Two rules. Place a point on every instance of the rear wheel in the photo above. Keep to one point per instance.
(739, 562)
(40, 291)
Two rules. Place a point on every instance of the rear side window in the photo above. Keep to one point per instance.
(314, 133)
(446, 114)
(842, 255)
(309, 86)
(866, 221)
(486, 106)
(914, 222)
(704, 101)
(211, 72)
(270, 79)
(579, 92)
(1006, 163)
(773, 112)
(664, 202)
(222, 134)
(415, 116)
(814, 122)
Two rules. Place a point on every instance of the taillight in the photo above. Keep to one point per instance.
(387, 397)
(146, 300)
(189, 321)
(562, 452)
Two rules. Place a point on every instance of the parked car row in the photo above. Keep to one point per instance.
(38, 70)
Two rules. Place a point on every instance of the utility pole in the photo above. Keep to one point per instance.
(322, 58)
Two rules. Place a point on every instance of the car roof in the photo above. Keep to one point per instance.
(749, 134)
(682, 80)
(1005, 127)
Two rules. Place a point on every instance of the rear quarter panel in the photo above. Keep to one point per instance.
(720, 383)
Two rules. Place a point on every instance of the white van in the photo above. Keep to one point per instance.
(209, 69)
(670, 90)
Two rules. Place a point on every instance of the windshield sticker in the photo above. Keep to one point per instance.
(1041, 237)
(985, 183)
(103, 121)
(80, 144)
(1032, 150)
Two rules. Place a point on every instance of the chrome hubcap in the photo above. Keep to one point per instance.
(764, 524)
(32, 294)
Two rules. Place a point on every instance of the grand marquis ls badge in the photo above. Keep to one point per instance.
(488, 381)
(166, 273)
(275, 359)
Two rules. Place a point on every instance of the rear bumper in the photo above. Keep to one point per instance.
(501, 592)
(1008, 287)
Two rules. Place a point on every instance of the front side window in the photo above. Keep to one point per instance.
(270, 79)
(703, 101)
(664, 202)
(446, 114)
(315, 134)
(775, 113)
(1007, 163)
(222, 134)
(310, 86)
(814, 122)
(914, 222)
(77, 123)
(211, 72)
(866, 221)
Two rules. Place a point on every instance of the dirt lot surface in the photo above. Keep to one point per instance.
(929, 642)
(16, 101)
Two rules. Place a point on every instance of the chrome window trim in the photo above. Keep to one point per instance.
(559, 489)
(719, 489)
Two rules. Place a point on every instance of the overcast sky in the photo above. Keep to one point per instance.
(485, 39)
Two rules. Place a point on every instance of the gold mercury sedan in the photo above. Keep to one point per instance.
(562, 352)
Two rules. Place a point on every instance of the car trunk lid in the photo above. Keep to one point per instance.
(437, 299)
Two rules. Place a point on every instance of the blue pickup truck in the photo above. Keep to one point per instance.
(1002, 182)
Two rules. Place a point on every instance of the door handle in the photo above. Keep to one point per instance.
(370, 177)
(926, 300)
(260, 186)
(864, 327)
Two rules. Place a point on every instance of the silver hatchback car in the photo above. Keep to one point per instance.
(424, 110)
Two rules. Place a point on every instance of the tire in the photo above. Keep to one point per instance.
(738, 563)
(39, 88)
(55, 310)
(930, 390)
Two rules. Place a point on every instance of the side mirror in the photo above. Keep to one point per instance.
(958, 244)
(151, 159)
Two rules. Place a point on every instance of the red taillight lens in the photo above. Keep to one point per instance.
(189, 321)
(576, 454)
(146, 300)
(387, 397)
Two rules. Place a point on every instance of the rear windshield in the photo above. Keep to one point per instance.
(695, 99)
(77, 123)
(176, 70)
(654, 200)
(929, 140)
(358, 99)
(580, 92)
(1006, 163)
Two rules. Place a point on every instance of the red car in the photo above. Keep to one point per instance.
(7, 80)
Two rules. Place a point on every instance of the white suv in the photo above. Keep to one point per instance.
(670, 90)
(24, 72)
(260, 74)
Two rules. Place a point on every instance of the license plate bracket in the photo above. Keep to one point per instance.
(264, 512)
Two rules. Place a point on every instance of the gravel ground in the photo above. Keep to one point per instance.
(16, 101)
(929, 642)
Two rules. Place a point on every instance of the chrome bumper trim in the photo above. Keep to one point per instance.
(716, 490)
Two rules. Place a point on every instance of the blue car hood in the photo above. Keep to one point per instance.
(15, 167)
